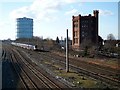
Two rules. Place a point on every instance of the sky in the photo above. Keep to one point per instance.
(53, 17)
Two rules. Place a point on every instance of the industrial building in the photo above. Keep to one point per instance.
(84, 29)
(24, 27)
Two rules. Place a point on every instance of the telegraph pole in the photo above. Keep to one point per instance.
(67, 61)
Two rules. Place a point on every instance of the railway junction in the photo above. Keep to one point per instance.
(28, 69)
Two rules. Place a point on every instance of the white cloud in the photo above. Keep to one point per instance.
(21, 12)
(41, 9)
(45, 4)
(105, 12)
(71, 1)
(67, 1)
(72, 12)
(101, 12)
(16, 1)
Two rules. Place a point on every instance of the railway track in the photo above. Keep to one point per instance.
(3, 54)
(44, 79)
(93, 67)
(6, 55)
(28, 83)
(54, 78)
(30, 75)
(96, 72)
(102, 77)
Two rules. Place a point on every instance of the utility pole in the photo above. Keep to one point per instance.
(67, 61)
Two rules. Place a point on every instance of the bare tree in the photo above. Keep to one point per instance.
(48, 43)
(57, 40)
(86, 45)
(110, 37)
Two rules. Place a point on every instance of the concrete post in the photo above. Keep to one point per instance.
(67, 61)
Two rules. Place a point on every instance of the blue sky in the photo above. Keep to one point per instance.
(53, 17)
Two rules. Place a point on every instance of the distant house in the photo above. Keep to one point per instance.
(118, 44)
(63, 43)
(114, 43)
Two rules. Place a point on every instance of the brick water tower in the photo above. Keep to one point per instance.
(84, 28)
